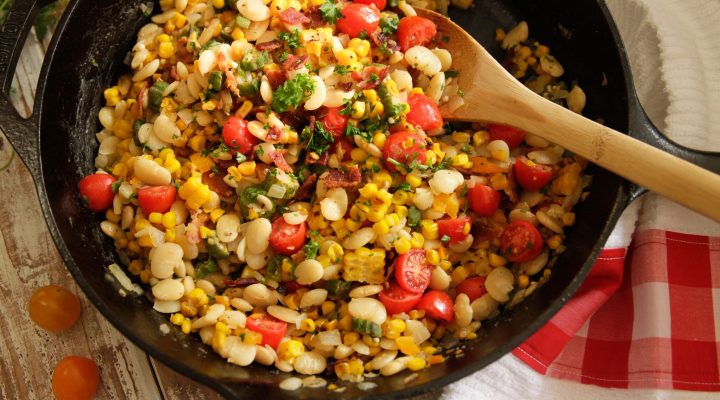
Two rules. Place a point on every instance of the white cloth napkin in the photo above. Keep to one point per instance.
(674, 51)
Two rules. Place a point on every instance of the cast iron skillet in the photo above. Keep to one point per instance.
(57, 144)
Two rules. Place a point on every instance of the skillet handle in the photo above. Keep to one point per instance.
(22, 133)
(643, 129)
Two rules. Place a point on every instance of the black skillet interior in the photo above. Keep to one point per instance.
(87, 55)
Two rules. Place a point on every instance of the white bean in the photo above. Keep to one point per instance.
(536, 141)
(361, 348)
(394, 366)
(151, 172)
(128, 215)
(383, 359)
(334, 206)
(359, 238)
(309, 363)
(207, 61)
(254, 10)
(535, 265)
(545, 157)
(168, 289)
(445, 181)
(499, 283)
(439, 279)
(423, 199)
(576, 99)
(265, 355)
(308, 272)
(258, 261)
(283, 314)
(365, 291)
(499, 150)
(313, 298)
(111, 229)
(166, 306)
(258, 294)
(146, 71)
(420, 57)
(403, 80)
(233, 319)
(417, 330)
(342, 352)
(317, 98)
(207, 286)
(227, 227)
(336, 98)
(242, 354)
(444, 56)
(369, 309)
(258, 235)
(463, 311)
(436, 86)
(290, 384)
(266, 90)
(164, 258)
(516, 35)
(106, 117)
(484, 307)
(210, 318)
(256, 29)
(295, 217)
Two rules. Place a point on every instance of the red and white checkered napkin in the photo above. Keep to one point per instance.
(648, 317)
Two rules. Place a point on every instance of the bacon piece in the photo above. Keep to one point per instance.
(323, 160)
(279, 161)
(307, 188)
(372, 76)
(315, 16)
(216, 183)
(274, 134)
(511, 189)
(182, 53)
(345, 179)
(292, 16)
(297, 119)
(261, 170)
(275, 77)
(380, 38)
(269, 46)
(293, 62)
(241, 282)
(346, 86)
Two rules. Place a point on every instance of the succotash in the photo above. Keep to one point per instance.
(279, 177)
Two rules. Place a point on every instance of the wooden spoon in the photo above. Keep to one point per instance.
(493, 95)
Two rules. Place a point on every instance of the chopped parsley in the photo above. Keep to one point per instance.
(330, 11)
(240, 157)
(413, 217)
(206, 267)
(259, 151)
(291, 38)
(389, 24)
(403, 187)
(116, 185)
(318, 139)
(341, 70)
(289, 95)
(451, 73)
(352, 130)
(311, 249)
(445, 239)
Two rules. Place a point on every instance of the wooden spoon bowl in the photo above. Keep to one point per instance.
(491, 94)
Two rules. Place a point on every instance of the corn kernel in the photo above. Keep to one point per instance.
(379, 139)
(352, 225)
(382, 178)
(429, 229)
(327, 307)
(197, 143)
(460, 137)
(523, 281)
(417, 90)
(497, 260)
(346, 57)
(155, 217)
(460, 160)
(166, 50)
(435, 359)
(112, 96)
(345, 323)
(432, 256)
(357, 110)
(369, 190)
(216, 214)
(358, 154)
(417, 240)
(170, 235)
(554, 242)
(416, 364)
(402, 245)
(351, 338)
(413, 180)
(407, 345)
(252, 337)
(307, 325)
(185, 326)
(145, 241)
(429, 350)
(445, 265)
(397, 325)
(458, 275)
(370, 95)
(218, 4)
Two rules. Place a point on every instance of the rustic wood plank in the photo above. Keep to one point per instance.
(178, 387)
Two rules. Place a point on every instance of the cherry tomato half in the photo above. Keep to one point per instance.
(521, 241)
(358, 18)
(415, 31)
(423, 112)
(438, 305)
(335, 122)
(473, 287)
(236, 135)
(271, 329)
(412, 271)
(530, 175)
(287, 239)
(96, 191)
(75, 378)
(457, 229)
(483, 199)
(156, 198)
(380, 4)
(398, 300)
(510, 135)
(54, 308)
(404, 153)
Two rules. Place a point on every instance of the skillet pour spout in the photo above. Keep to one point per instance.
(58, 146)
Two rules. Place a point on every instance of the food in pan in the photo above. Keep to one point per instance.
(280, 176)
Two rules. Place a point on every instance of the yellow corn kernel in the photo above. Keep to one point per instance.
(357, 110)
(391, 87)
(177, 319)
(216, 213)
(358, 154)
(120, 170)
(247, 168)
(407, 345)
(244, 109)
(381, 227)
(497, 260)
(523, 281)
(162, 38)
(360, 46)
(554, 242)
(432, 256)
(458, 275)
(135, 267)
(417, 240)
(155, 217)
(197, 143)
(198, 296)
(307, 325)
(460, 160)
(400, 197)
(346, 57)
(417, 90)
(345, 323)
(166, 50)
(145, 241)
(168, 219)
(568, 218)
(377, 109)
(402, 245)
(185, 326)
(397, 325)
(384, 197)
(402, 211)
(252, 337)
(460, 137)
(377, 213)
(379, 139)
(370, 95)
(180, 20)
(206, 232)
(141, 224)
(218, 4)
(335, 252)
(429, 229)
(352, 225)
(413, 180)
(133, 246)
(499, 181)
(351, 338)
(382, 178)
(416, 364)
(112, 96)
(445, 265)
(111, 216)
(541, 50)
(369, 190)
(170, 235)
(290, 349)
(429, 350)
(416, 314)
(327, 307)
(122, 129)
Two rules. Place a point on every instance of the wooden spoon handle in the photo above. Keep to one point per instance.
(654, 169)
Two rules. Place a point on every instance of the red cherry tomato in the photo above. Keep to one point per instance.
(358, 18)
(397, 149)
(423, 112)
(415, 31)
(510, 135)
(530, 175)
(398, 300)
(335, 122)
(96, 191)
(287, 239)
(483, 199)
(54, 308)
(156, 198)
(473, 287)
(520, 241)
(380, 4)
(438, 305)
(236, 135)
(75, 378)
(271, 329)
(454, 228)
(412, 271)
